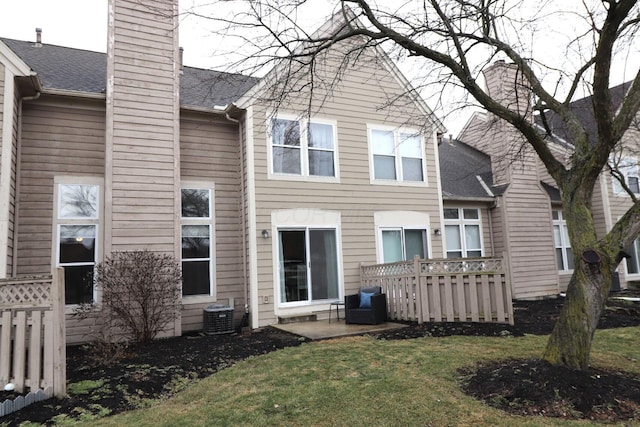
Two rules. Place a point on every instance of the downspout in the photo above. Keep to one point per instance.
(489, 214)
(243, 216)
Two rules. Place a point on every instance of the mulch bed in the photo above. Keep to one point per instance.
(524, 387)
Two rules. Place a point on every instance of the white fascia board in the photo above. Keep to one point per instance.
(12, 61)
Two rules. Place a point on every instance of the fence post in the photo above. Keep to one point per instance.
(506, 264)
(59, 334)
(417, 297)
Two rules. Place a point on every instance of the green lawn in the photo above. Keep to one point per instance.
(362, 381)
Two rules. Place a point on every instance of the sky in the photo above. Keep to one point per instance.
(82, 24)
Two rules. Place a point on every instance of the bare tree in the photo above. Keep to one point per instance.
(451, 42)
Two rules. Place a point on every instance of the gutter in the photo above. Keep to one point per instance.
(217, 109)
(469, 199)
(74, 93)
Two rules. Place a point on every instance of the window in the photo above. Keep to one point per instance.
(196, 236)
(628, 167)
(564, 254)
(78, 215)
(397, 155)
(633, 261)
(303, 147)
(401, 244)
(308, 264)
(463, 235)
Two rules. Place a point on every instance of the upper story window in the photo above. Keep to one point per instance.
(303, 147)
(564, 254)
(398, 155)
(196, 238)
(628, 167)
(463, 234)
(77, 222)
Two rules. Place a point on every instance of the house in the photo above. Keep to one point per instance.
(498, 197)
(270, 208)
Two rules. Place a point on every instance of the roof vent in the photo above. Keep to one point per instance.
(180, 58)
(38, 37)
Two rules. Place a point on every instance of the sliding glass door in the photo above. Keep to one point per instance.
(308, 264)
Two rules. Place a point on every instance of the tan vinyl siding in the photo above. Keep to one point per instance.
(498, 227)
(142, 137)
(522, 223)
(209, 152)
(477, 132)
(355, 102)
(563, 283)
(12, 198)
(530, 241)
(598, 207)
(621, 202)
(57, 139)
(2, 88)
(9, 104)
(2, 123)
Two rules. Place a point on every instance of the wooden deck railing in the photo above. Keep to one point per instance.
(444, 290)
(32, 334)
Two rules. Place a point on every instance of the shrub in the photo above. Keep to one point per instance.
(140, 292)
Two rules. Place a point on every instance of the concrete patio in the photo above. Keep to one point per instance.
(322, 329)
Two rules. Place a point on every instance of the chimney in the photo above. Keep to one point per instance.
(181, 58)
(38, 37)
(506, 84)
(511, 158)
(142, 154)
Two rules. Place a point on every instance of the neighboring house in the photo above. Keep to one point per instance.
(488, 172)
(268, 209)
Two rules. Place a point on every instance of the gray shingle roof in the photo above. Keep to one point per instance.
(460, 164)
(205, 88)
(79, 70)
(62, 67)
(553, 192)
(583, 109)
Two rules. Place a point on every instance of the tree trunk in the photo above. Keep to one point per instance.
(570, 342)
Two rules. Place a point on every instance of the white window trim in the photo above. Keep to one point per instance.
(57, 222)
(402, 229)
(297, 219)
(398, 159)
(627, 275)
(630, 169)
(304, 150)
(632, 276)
(562, 223)
(210, 221)
(460, 223)
(410, 220)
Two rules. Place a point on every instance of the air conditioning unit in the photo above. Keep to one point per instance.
(217, 319)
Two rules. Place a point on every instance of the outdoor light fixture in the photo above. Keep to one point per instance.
(265, 234)
(437, 231)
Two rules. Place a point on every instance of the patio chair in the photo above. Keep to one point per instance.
(367, 307)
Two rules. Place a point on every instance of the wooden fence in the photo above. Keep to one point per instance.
(444, 290)
(32, 334)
